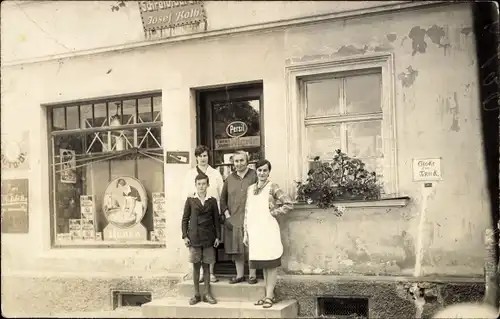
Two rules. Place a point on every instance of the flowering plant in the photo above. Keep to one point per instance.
(345, 178)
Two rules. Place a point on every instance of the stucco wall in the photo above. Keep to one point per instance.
(437, 116)
(48, 27)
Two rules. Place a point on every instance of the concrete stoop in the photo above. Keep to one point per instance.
(233, 301)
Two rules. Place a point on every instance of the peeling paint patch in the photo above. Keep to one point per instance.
(406, 242)
(350, 49)
(437, 34)
(466, 31)
(391, 37)
(407, 79)
(417, 35)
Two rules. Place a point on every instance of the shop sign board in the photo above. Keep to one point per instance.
(157, 15)
(236, 129)
(14, 152)
(174, 157)
(238, 142)
(15, 212)
(427, 169)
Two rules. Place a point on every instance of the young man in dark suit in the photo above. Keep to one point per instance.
(201, 233)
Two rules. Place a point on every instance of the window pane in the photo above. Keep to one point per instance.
(144, 110)
(128, 112)
(236, 127)
(94, 178)
(72, 118)
(323, 141)
(364, 139)
(86, 116)
(157, 108)
(100, 114)
(58, 121)
(375, 165)
(322, 97)
(363, 93)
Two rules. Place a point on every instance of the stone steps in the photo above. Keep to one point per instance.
(224, 291)
(180, 308)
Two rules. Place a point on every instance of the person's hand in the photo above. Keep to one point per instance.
(187, 242)
(226, 214)
(227, 223)
(216, 243)
(245, 240)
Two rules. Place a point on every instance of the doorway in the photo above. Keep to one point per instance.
(230, 119)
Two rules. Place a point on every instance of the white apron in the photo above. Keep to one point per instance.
(264, 237)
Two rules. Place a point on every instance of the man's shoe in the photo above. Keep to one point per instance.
(208, 298)
(235, 280)
(194, 300)
(252, 280)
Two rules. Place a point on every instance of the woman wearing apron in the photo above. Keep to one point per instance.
(265, 202)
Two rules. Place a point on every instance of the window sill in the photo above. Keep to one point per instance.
(106, 244)
(400, 201)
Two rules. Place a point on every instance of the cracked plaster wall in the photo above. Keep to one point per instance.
(437, 115)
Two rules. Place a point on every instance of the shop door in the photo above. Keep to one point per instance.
(228, 120)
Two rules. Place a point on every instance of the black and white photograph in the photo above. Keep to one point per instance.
(250, 159)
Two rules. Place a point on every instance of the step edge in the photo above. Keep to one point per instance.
(157, 303)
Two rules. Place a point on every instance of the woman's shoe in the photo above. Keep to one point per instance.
(252, 280)
(259, 302)
(194, 300)
(235, 280)
(268, 302)
(213, 278)
(208, 298)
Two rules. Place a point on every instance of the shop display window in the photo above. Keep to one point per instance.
(107, 185)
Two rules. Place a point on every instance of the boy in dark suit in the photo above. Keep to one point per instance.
(201, 233)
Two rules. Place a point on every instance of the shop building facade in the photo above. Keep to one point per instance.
(93, 102)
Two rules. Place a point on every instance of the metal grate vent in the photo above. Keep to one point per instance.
(343, 307)
(130, 298)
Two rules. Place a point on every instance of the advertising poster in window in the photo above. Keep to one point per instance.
(87, 209)
(15, 210)
(75, 229)
(68, 166)
(159, 221)
(15, 151)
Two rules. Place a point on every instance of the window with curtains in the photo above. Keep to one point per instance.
(107, 170)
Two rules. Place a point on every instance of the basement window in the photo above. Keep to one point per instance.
(130, 298)
(342, 307)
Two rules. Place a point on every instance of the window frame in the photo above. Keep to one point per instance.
(52, 134)
(297, 73)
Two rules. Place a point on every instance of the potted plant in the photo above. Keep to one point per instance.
(345, 178)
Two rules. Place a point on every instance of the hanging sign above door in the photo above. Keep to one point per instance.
(158, 15)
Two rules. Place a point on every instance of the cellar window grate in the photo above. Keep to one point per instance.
(342, 307)
(130, 298)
